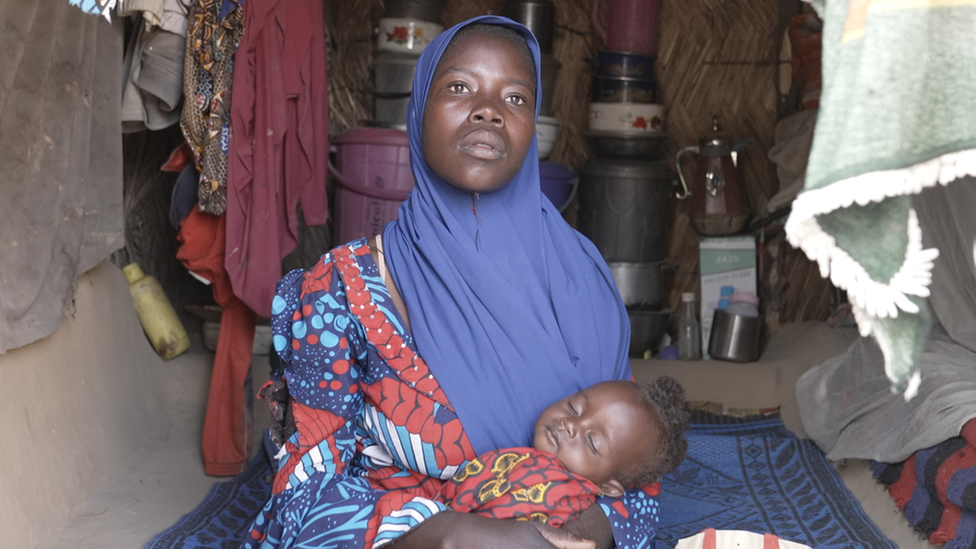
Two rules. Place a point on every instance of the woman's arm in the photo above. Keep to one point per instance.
(450, 530)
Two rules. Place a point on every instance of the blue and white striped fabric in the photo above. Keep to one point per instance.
(399, 522)
(402, 448)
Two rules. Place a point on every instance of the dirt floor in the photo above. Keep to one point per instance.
(163, 478)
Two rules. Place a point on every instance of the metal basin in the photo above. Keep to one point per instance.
(640, 284)
(646, 330)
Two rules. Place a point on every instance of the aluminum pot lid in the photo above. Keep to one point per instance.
(627, 168)
(395, 58)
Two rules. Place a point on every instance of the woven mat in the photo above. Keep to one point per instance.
(221, 520)
(749, 472)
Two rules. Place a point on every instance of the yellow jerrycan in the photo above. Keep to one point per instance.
(159, 320)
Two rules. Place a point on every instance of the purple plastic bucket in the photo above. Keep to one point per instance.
(373, 177)
(558, 183)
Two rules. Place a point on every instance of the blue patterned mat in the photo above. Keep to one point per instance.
(221, 520)
(740, 474)
(754, 474)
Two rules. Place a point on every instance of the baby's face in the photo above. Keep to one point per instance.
(599, 432)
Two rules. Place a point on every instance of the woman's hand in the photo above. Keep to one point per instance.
(450, 530)
(594, 525)
(562, 538)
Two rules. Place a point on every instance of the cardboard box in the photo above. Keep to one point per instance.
(724, 261)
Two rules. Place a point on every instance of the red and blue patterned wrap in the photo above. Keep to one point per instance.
(375, 437)
(519, 483)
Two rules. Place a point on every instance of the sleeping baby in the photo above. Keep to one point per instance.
(600, 441)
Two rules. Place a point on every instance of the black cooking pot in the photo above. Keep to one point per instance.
(619, 63)
(619, 89)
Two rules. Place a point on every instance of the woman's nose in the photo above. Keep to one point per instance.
(488, 112)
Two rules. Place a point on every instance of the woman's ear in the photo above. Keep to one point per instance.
(612, 488)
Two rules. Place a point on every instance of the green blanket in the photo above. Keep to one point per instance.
(897, 115)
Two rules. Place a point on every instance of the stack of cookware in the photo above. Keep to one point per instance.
(404, 30)
(558, 181)
(626, 119)
(371, 168)
(625, 192)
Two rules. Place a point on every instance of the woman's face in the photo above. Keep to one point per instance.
(479, 119)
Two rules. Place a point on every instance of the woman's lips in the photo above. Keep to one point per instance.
(484, 145)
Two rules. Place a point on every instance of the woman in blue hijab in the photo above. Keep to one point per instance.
(410, 353)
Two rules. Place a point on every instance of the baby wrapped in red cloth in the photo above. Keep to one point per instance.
(609, 437)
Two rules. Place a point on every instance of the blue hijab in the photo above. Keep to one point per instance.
(511, 308)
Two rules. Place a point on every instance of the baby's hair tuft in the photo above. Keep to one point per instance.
(665, 398)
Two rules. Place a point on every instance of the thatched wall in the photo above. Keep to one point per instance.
(715, 57)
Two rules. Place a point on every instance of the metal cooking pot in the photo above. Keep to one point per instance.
(537, 15)
(647, 328)
(734, 337)
(640, 284)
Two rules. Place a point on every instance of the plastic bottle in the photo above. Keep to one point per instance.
(689, 331)
(743, 304)
(163, 327)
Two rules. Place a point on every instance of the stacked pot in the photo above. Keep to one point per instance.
(405, 29)
(626, 191)
(558, 181)
(625, 119)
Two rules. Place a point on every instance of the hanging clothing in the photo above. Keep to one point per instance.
(153, 76)
(227, 429)
(280, 149)
(214, 30)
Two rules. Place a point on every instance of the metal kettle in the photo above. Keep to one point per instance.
(719, 205)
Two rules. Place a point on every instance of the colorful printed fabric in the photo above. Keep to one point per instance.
(214, 31)
(374, 437)
(936, 489)
(519, 483)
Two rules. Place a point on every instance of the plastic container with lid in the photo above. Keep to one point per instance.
(373, 174)
(725, 292)
(162, 325)
(558, 183)
(742, 303)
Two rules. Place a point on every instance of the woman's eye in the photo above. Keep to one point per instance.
(457, 87)
(517, 100)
